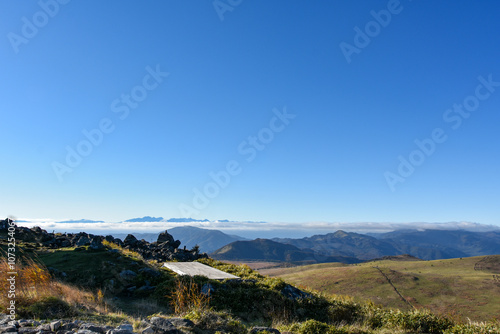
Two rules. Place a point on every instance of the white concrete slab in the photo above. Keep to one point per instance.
(196, 268)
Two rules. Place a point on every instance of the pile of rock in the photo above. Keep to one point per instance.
(164, 249)
(155, 325)
(4, 224)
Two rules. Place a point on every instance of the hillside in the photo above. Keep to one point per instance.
(343, 243)
(442, 244)
(268, 250)
(427, 244)
(109, 287)
(463, 288)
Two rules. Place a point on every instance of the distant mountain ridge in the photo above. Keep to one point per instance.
(159, 219)
(86, 221)
(427, 244)
(436, 244)
(351, 247)
(186, 220)
(144, 219)
(268, 250)
(342, 243)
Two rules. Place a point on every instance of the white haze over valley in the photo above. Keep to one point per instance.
(247, 229)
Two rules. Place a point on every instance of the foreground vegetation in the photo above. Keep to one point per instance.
(90, 285)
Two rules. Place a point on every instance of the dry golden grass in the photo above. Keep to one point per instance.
(34, 283)
(187, 296)
(122, 250)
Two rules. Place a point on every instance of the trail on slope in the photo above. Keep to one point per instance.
(395, 289)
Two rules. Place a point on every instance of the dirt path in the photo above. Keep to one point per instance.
(395, 289)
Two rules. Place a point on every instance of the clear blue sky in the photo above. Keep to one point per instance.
(353, 120)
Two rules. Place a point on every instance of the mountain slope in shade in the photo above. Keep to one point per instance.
(268, 250)
(343, 243)
(189, 236)
(208, 240)
(438, 244)
(426, 245)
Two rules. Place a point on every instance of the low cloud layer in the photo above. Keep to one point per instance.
(254, 229)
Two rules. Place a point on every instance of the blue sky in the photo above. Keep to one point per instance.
(69, 67)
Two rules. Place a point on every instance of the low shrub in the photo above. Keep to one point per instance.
(49, 308)
(474, 328)
(314, 327)
(216, 321)
(416, 321)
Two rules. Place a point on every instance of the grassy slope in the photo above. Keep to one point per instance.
(92, 270)
(449, 287)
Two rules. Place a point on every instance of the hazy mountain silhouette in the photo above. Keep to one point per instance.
(268, 250)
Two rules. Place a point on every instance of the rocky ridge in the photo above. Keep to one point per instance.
(166, 248)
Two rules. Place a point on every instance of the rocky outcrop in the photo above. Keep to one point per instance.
(155, 325)
(4, 224)
(165, 249)
(292, 293)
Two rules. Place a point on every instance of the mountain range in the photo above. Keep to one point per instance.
(438, 244)
(342, 243)
(77, 221)
(427, 245)
(159, 219)
(268, 250)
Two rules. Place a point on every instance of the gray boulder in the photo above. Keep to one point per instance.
(128, 275)
(86, 331)
(130, 240)
(92, 327)
(44, 328)
(4, 224)
(8, 329)
(163, 326)
(148, 330)
(165, 237)
(293, 293)
(4, 319)
(68, 326)
(96, 243)
(119, 331)
(181, 322)
(55, 325)
(126, 327)
(83, 241)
